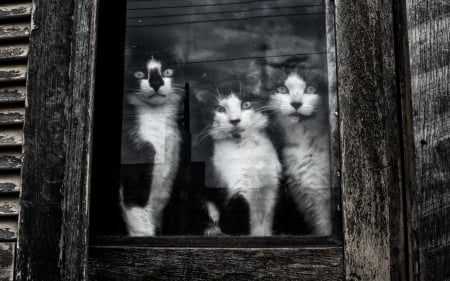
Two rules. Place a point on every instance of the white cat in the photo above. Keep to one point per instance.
(301, 117)
(244, 159)
(151, 144)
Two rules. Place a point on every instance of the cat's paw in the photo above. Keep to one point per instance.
(213, 231)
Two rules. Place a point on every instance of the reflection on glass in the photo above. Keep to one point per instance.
(225, 126)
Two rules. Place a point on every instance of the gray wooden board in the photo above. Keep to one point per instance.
(9, 206)
(10, 161)
(11, 137)
(408, 175)
(12, 94)
(13, 73)
(7, 254)
(371, 142)
(53, 224)
(14, 11)
(139, 263)
(429, 37)
(14, 31)
(8, 229)
(10, 182)
(12, 52)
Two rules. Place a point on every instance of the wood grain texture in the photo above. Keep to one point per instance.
(9, 182)
(370, 141)
(10, 161)
(12, 52)
(9, 207)
(137, 263)
(53, 224)
(13, 73)
(7, 254)
(408, 175)
(8, 229)
(14, 11)
(14, 31)
(11, 137)
(429, 37)
(11, 116)
(12, 94)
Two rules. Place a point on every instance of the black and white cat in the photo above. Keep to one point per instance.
(151, 146)
(244, 159)
(301, 118)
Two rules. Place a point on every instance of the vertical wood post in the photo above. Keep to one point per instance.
(53, 216)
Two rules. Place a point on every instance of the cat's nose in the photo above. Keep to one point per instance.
(296, 105)
(156, 83)
(235, 121)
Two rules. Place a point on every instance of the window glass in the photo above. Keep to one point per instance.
(225, 125)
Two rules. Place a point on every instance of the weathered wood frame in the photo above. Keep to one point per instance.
(53, 225)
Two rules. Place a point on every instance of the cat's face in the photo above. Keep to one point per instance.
(235, 114)
(152, 85)
(294, 98)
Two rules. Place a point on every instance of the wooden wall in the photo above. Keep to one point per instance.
(14, 31)
(429, 47)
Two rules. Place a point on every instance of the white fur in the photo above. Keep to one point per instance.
(305, 155)
(214, 215)
(156, 125)
(248, 166)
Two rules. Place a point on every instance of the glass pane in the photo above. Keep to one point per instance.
(226, 127)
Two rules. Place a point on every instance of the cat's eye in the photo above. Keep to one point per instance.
(168, 72)
(282, 90)
(139, 74)
(246, 105)
(220, 109)
(310, 90)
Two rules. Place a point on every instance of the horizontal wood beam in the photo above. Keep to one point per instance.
(14, 31)
(15, 11)
(12, 94)
(138, 263)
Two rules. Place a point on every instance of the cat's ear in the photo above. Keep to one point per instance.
(203, 94)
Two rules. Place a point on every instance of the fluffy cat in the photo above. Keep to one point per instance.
(301, 119)
(244, 160)
(151, 146)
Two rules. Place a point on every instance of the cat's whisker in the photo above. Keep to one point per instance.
(207, 133)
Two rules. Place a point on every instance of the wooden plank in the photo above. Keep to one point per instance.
(10, 161)
(138, 263)
(9, 207)
(7, 255)
(11, 137)
(429, 36)
(214, 242)
(14, 31)
(408, 175)
(12, 116)
(15, 11)
(55, 175)
(370, 141)
(12, 52)
(9, 182)
(12, 94)
(8, 229)
(13, 73)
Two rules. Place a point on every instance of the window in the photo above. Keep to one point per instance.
(225, 121)
(60, 172)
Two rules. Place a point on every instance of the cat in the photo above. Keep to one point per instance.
(151, 146)
(300, 117)
(244, 160)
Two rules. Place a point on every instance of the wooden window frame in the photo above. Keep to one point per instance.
(54, 209)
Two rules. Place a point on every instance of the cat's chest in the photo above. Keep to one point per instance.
(305, 151)
(159, 128)
(247, 164)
